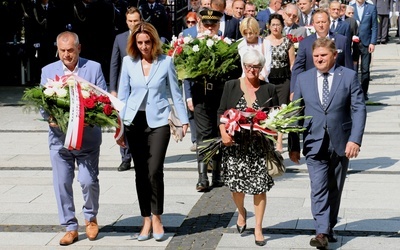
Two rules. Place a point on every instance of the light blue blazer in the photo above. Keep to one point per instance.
(135, 89)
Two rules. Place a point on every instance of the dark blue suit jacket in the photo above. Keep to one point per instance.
(368, 28)
(343, 28)
(304, 60)
(264, 15)
(232, 28)
(118, 53)
(343, 119)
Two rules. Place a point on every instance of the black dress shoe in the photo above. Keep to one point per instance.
(242, 228)
(320, 241)
(332, 236)
(124, 166)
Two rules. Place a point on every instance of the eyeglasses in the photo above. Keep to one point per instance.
(191, 22)
(276, 25)
(291, 15)
(254, 67)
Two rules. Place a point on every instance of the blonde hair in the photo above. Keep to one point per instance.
(251, 24)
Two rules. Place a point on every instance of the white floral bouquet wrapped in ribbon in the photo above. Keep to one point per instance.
(74, 103)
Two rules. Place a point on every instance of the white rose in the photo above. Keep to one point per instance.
(84, 85)
(61, 92)
(186, 40)
(210, 43)
(174, 39)
(49, 92)
(85, 94)
(296, 45)
(71, 81)
(207, 33)
(196, 48)
(228, 41)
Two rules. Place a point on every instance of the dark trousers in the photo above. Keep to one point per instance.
(148, 147)
(125, 152)
(327, 173)
(365, 65)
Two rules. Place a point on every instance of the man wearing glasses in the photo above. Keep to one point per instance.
(291, 15)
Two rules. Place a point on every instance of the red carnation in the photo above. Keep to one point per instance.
(294, 40)
(94, 97)
(108, 109)
(89, 103)
(179, 50)
(259, 117)
(104, 99)
(290, 36)
(170, 52)
(242, 120)
(300, 38)
(249, 110)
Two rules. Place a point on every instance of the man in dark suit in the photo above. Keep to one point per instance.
(366, 15)
(274, 6)
(355, 53)
(304, 60)
(63, 160)
(228, 25)
(118, 53)
(250, 11)
(155, 14)
(338, 26)
(333, 98)
(306, 7)
(383, 7)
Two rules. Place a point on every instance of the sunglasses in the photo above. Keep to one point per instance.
(191, 22)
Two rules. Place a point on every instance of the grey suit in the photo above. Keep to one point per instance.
(118, 53)
(87, 158)
(326, 136)
(297, 31)
(383, 8)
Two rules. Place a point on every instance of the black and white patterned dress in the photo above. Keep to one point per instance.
(243, 165)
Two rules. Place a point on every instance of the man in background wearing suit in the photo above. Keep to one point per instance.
(87, 158)
(154, 13)
(306, 7)
(366, 15)
(304, 58)
(332, 96)
(274, 6)
(291, 15)
(228, 25)
(355, 53)
(250, 11)
(338, 26)
(118, 53)
(383, 7)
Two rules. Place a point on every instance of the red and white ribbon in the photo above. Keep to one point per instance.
(231, 119)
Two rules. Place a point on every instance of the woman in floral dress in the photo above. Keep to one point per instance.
(243, 160)
(283, 56)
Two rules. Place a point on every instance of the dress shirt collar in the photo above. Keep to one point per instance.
(69, 72)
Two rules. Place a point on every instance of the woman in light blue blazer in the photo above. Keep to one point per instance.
(146, 76)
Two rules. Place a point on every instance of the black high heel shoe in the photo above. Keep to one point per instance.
(259, 242)
(239, 228)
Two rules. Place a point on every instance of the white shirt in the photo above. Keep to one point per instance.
(360, 10)
(69, 72)
(222, 24)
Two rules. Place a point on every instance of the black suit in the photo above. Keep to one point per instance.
(157, 16)
(353, 32)
(232, 28)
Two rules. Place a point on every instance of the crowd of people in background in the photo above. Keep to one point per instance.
(277, 45)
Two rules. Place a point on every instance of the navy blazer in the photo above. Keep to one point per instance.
(232, 28)
(134, 89)
(91, 72)
(368, 25)
(264, 15)
(304, 60)
(343, 119)
(343, 28)
(118, 53)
